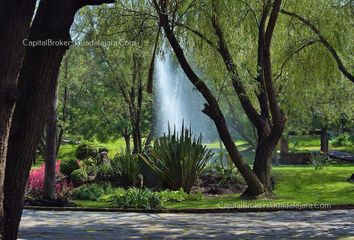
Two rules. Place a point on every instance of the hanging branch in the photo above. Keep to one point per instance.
(324, 41)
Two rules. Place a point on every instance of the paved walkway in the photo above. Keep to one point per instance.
(275, 225)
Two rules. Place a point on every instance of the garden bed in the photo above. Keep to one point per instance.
(296, 187)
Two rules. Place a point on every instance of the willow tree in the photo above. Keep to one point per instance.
(313, 65)
(232, 40)
(270, 121)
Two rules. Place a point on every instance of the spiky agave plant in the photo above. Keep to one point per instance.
(177, 159)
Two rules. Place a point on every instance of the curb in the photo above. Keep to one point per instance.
(194, 210)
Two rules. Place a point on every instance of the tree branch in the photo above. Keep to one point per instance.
(309, 43)
(222, 48)
(324, 41)
(277, 115)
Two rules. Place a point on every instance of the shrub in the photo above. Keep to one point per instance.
(135, 198)
(91, 170)
(128, 166)
(89, 162)
(68, 166)
(319, 161)
(342, 140)
(78, 177)
(111, 192)
(225, 172)
(195, 196)
(90, 167)
(178, 160)
(173, 196)
(106, 173)
(85, 151)
(91, 191)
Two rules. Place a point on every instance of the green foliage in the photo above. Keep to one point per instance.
(225, 172)
(103, 149)
(135, 198)
(90, 166)
(106, 173)
(173, 196)
(319, 161)
(342, 140)
(178, 160)
(91, 170)
(129, 167)
(296, 185)
(78, 176)
(68, 166)
(178, 196)
(91, 191)
(85, 151)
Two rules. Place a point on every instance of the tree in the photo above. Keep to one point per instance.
(311, 90)
(107, 100)
(269, 123)
(15, 19)
(267, 87)
(37, 85)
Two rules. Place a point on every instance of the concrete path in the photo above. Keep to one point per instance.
(272, 225)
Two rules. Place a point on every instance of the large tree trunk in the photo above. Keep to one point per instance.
(263, 159)
(37, 86)
(270, 121)
(50, 151)
(272, 128)
(15, 18)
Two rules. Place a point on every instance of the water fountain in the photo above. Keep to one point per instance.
(177, 100)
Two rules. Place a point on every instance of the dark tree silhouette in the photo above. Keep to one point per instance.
(37, 85)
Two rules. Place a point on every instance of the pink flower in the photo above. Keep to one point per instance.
(35, 184)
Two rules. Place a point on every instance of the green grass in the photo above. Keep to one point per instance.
(90, 204)
(217, 144)
(297, 144)
(295, 185)
(312, 143)
(67, 151)
(349, 148)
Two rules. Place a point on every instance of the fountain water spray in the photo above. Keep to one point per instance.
(177, 100)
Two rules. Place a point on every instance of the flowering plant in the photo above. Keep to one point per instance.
(35, 184)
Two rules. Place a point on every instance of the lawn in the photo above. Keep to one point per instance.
(296, 144)
(67, 151)
(312, 143)
(295, 185)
